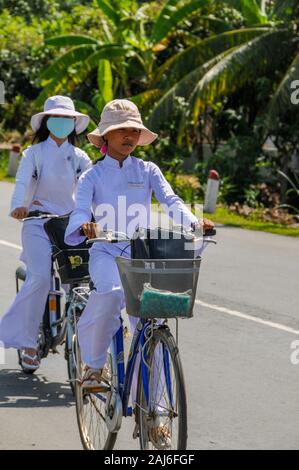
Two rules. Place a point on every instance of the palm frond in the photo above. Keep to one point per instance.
(189, 59)
(93, 113)
(52, 88)
(164, 109)
(281, 102)
(241, 66)
(171, 15)
(84, 58)
(70, 40)
(105, 80)
(214, 24)
(146, 99)
(109, 11)
(222, 75)
(68, 78)
(284, 8)
(69, 58)
(249, 9)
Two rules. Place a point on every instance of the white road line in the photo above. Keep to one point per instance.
(10, 245)
(235, 313)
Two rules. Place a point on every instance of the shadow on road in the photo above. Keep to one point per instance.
(18, 390)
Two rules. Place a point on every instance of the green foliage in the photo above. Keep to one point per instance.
(24, 55)
(294, 190)
(236, 163)
(249, 9)
(30, 9)
(224, 216)
(171, 14)
(200, 71)
(285, 9)
(186, 186)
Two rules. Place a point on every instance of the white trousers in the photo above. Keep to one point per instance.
(101, 317)
(20, 324)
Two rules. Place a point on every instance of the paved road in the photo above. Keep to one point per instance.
(242, 387)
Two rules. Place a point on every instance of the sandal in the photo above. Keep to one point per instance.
(96, 380)
(24, 358)
(160, 437)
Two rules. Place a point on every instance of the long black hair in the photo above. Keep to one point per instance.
(43, 133)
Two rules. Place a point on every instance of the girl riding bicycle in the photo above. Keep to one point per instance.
(114, 190)
(46, 181)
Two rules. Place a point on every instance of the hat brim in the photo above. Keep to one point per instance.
(82, 120)
(146, 136)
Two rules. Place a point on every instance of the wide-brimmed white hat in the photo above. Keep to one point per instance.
(119, 114)
(61, 106)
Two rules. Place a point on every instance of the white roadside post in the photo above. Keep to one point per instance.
(14, 155)
(212, 192)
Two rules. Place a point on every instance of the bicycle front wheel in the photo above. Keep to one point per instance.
(161, 398)
(91, 409)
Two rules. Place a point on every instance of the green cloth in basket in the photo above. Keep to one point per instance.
(156, 303)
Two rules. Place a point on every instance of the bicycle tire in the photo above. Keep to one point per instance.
(71, 367)
(92, 404)
(146, 418)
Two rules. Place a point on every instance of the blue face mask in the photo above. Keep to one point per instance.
(61, 127)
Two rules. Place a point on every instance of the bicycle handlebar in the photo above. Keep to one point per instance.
(109, 237)
(39, 215)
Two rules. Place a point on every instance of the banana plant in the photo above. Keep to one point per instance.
(131, 38)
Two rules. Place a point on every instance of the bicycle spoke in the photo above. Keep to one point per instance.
(163, 420)
(91, 412)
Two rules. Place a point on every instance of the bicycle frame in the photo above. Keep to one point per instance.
(53, 309)
(123, 382)
(126, 376)
(56, 314)
(154, 361)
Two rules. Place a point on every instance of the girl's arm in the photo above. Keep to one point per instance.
(82, 213)
(164, 193)
(23, 179)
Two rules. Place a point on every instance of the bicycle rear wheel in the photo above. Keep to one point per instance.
(91, 409)
(71, 366)
(162, 418)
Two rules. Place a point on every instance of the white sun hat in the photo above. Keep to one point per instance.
(60, 106)
(118, 114)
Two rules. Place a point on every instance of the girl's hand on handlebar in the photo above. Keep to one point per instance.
(207, 225)
(19, 213)
(89, 229)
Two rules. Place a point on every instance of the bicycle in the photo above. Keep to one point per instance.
(161, 397)
(68, 266)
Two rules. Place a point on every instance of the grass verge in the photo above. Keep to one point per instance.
(225, 217)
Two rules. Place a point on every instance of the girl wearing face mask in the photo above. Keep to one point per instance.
(46, 180)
